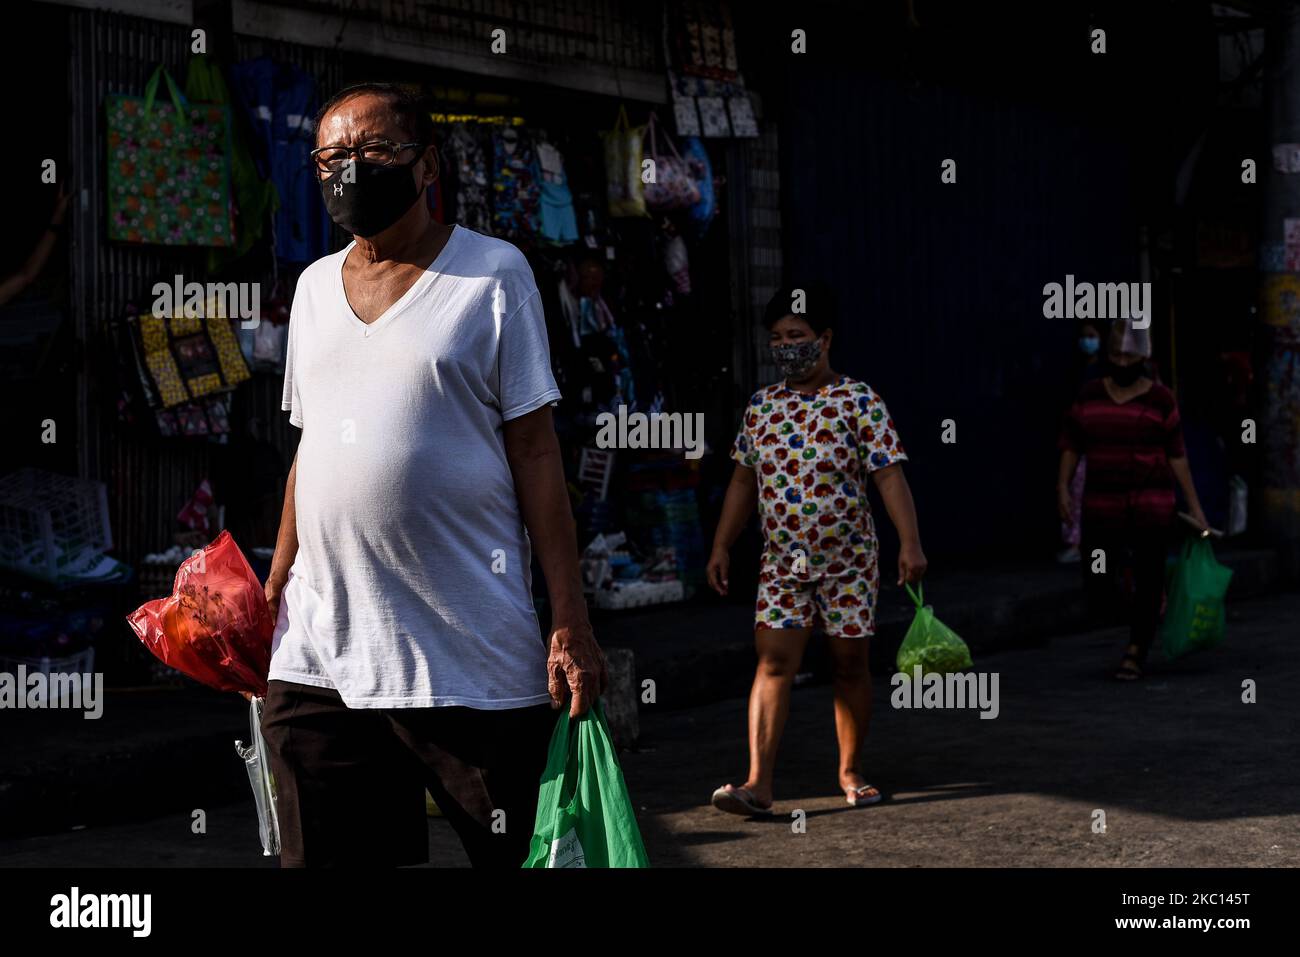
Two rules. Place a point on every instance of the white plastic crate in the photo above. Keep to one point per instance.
(82, 663)
(52, 526)
(636, 594)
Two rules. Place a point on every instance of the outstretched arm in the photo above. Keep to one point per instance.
(11, 286)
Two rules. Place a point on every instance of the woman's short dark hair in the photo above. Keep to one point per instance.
(816, 302)
(408, 106)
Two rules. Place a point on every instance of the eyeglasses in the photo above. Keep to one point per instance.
(331, 159)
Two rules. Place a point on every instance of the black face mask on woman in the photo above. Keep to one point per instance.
(380, 196)
(1126, 375)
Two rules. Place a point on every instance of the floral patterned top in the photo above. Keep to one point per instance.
(813, 453)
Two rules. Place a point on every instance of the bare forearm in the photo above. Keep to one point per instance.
(36, 261)
(737, 506)
(544, 506)
(286, 542)
(897, 495)
(1183, 475)
(12, 285)
(1065, 472)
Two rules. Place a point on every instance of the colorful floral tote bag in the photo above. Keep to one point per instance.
(168, 169)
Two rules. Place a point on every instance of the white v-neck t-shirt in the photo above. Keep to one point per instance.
(411, 587)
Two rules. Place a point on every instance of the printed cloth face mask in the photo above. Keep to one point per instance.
(380, 196)
(796, 359)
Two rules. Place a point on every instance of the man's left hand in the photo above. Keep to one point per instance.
(575, 668)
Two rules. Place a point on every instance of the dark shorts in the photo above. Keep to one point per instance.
(350, 782)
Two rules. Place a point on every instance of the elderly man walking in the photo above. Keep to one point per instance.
(407, 654)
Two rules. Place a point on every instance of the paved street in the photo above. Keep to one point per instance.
(1186, 774)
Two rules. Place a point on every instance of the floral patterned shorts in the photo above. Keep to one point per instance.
(844, 604)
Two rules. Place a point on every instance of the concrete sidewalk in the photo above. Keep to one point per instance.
(702, 651)
(160, 750)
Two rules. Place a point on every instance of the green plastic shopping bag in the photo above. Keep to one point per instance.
(584, 814)
(1194, 616)
(930, 643)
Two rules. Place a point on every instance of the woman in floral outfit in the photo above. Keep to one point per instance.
(803, 455)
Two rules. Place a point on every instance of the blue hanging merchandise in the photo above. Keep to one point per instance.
(701, 170)
(280, 101)
(559, 223)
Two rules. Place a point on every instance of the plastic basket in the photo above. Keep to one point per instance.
(81, 663)
(639, 594)
(52, 526)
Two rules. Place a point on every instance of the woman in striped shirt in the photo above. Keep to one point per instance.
(1127, 424)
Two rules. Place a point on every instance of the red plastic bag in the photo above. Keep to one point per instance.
(216, 625)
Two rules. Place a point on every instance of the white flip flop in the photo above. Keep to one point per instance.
(736, 800)
(857, 797)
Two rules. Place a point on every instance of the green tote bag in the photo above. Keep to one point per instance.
(1194, 617)
(584, 814)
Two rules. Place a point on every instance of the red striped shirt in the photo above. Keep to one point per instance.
(1129, 482)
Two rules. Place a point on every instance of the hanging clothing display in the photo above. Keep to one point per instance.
(280, 101)
(516, 193)
(469, 167)
(559, 223)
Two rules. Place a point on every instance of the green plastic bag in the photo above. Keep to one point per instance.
(584, 814)
(1194, 616)
(930, 643)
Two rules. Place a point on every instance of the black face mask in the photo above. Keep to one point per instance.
(1125, 375)
(380, 197)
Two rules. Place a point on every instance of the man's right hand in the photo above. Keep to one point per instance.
(718, 570)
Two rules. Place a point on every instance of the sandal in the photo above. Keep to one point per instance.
(736, 800)
(1129, 669)
(860, 797)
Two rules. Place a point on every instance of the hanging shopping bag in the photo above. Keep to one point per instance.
(701, 170)
(185, 357)
(625, 190)
(930, 643)
(168, 169)
(1194, 618)
(584, 814)
(672, 187)
(258, 763)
